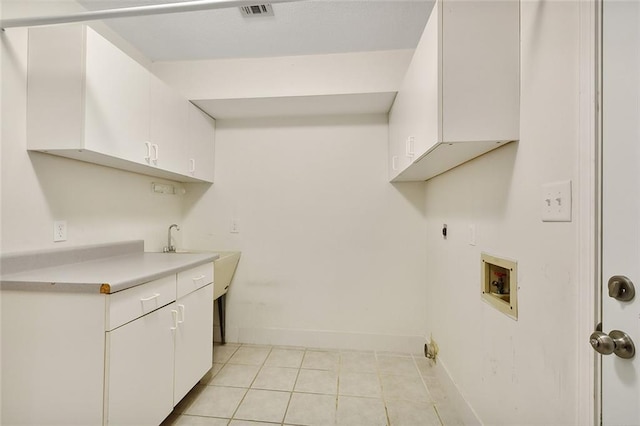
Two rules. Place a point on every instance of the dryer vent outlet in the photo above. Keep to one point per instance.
(431, 350)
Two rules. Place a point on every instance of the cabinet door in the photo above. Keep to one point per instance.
(202, 130)
(139, 375)
(398, 134)
(168, 131)
(414, 118)
(194, 340)
(116, 101)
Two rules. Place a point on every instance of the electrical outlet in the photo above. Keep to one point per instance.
(60, 230)
(235, 226)
(556, 202)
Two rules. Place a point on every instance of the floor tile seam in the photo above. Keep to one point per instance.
(263, 421)
(321, 350)
(247, 389)
(275, 390)
(387, 373)
(424, 383)
(315, 393)
(239, 403)
(295, 382)
(385, 399)
(231, 355)
(417, 401)
(308, 393)
(394, 354)
(429, 399)
(248, 365)
(204, 416)
(435, 408)
(318, 369)
(228, 386)
(260, 368)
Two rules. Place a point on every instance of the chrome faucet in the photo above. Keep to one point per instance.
(170, 248)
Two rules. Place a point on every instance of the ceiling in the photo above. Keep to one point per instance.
(299, 28)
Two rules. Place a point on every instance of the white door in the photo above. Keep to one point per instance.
(621, 203)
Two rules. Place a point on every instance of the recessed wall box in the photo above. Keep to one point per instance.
(499, 284)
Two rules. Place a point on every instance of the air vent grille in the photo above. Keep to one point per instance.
(257, 10)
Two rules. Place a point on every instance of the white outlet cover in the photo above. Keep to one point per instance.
(556, 202)
(59, 230)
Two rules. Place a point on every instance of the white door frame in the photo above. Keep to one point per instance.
(588, 213)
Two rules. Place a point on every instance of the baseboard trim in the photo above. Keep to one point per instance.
(326, 339)
(466, 413)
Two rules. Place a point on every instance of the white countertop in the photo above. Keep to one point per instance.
(105, 275)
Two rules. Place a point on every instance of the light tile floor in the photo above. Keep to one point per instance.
(252, 385)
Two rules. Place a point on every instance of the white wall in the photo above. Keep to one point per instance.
(510, 372)
(99, 204)
(332, 254)
(304, 75)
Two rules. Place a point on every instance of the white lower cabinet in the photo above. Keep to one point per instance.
(125, 358)
(140, 369)
(193, 340)
(154, 360)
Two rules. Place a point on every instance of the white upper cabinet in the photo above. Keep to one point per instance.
(89, 101)
(116, 99)
(460, 96)
(201, 148)
(169, 128)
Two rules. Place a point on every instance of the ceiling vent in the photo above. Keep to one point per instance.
(257, 10)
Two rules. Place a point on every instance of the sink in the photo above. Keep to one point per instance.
(223, 269)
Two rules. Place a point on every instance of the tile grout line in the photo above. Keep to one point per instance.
(339, 383)
(424, 382)
(435, 408)
(433, 401)
(335, 417)
(245, 394)
(294, 386)
(382, 397)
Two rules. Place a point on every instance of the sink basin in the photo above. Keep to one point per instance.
(223, 269)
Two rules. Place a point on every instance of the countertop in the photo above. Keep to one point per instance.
(105, 275)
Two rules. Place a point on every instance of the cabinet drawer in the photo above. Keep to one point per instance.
(127, 305)
(194, 278)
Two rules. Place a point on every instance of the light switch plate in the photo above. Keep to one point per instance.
(472, 235)
(234, 227)
(556, 202)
